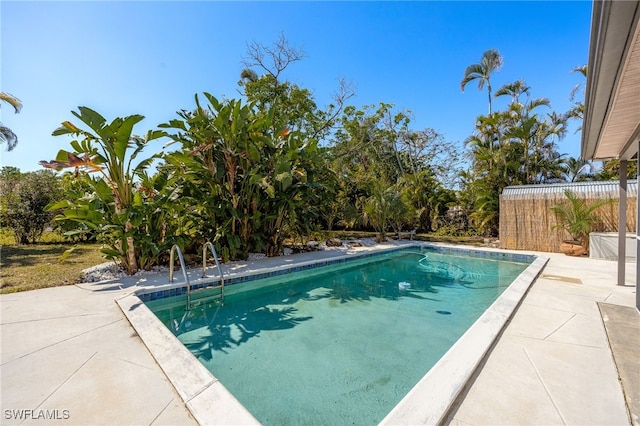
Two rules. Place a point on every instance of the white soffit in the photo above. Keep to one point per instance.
(622, 126)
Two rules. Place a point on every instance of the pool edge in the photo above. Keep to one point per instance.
(450, 375)
(202, 392)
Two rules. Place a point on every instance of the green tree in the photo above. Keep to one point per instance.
(24, 197)
(375, 149)
(427, 198)
(264, 84)
(490, 61)
(524, 126)
(289, 103)
(610, 170)
(367, 144)
(496, 162)
(366, 157)
(159, 214)
(577, 170)
(486, 208)
(9, 178)
(511, 147)
(6, 134)
(109, 149)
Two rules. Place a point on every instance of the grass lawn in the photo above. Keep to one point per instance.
(28, 267)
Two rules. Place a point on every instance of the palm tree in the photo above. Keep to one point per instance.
(576, 216)
(490, 128)
(515, 90)
(524, 127)
(491, 61)
(6, 134)
(577, 110)
(582, 70)
(577, 169)
(546, 162)
(379, 208)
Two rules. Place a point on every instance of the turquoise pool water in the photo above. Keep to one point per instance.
(340, 344)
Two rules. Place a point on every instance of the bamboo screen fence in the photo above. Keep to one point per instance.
(526, 219)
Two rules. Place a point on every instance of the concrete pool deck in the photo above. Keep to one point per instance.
(70, 354)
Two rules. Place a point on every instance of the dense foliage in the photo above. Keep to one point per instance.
(248, 173)
(23, 198)
(245, 180)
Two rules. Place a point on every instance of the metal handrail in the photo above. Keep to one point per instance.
(204, 266)
(184, 271)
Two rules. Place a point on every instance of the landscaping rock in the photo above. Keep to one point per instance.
(334, 242)
(354, 243)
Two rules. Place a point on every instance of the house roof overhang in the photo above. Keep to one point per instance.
(611, 127)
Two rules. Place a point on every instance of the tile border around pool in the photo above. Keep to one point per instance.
(170, 290)
(180, 289)
(211, 403)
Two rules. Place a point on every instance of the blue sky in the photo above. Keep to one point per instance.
(150, 58)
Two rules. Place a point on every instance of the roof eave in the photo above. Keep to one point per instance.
(613, 25)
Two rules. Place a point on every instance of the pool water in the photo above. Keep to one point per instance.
(337, 344)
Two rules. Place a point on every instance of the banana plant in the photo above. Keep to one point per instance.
(110, 150)
(251, 178)
(218, 149)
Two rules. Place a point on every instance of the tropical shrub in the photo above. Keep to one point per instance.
(248, 181)
(112, 210)
(74, 187)
(577, 216)
(384, 209)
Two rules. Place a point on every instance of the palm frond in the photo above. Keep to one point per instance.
(7, 136)
(11, 100)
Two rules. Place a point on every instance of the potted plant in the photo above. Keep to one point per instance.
(576, 217)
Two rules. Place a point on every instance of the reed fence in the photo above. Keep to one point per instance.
(526, 218)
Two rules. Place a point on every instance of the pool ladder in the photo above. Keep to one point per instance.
(176, 249)
(204, 267)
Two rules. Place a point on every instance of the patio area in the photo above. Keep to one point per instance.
(553, 363)
(69, 356)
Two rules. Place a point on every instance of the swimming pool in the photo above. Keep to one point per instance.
(366, 334)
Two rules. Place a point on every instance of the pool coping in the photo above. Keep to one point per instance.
(211, 403)
(451, 374)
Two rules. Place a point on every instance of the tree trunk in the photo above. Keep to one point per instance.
(132, 266)
(130, 256)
